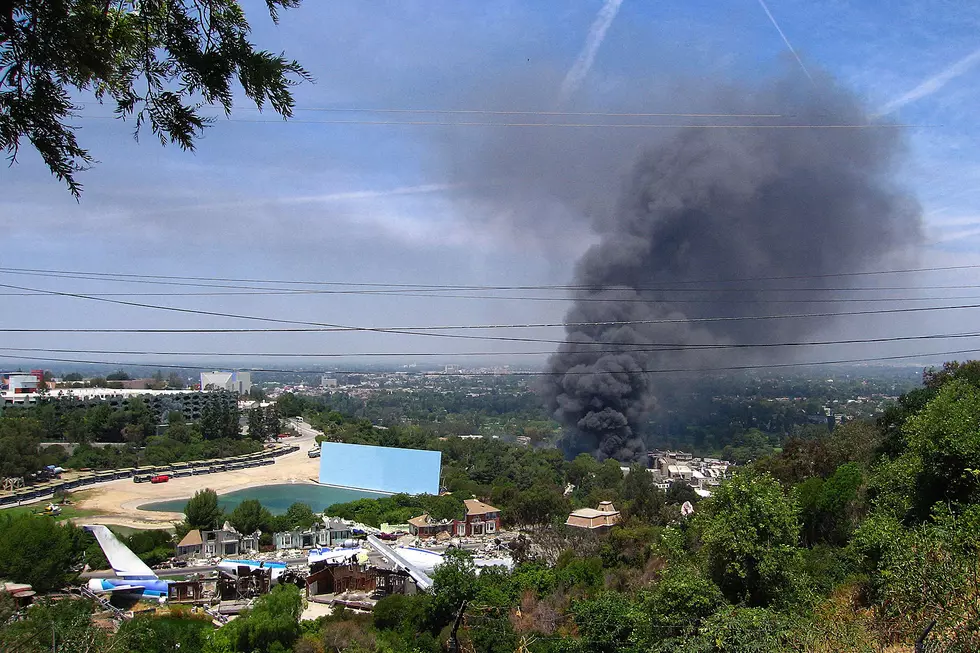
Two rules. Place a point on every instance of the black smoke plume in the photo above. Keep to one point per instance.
(722, 204)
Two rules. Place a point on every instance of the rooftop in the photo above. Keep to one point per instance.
(193, 538)
(476, 507)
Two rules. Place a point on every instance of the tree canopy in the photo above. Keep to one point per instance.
(39, 551)
(202, 510)
(249, 516)
(160, 63)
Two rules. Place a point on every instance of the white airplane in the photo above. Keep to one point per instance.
(133, 575)
(136, 578)
(231, 566)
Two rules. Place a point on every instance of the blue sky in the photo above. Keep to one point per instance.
(426, 204)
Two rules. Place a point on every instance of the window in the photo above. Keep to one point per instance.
(491, 526)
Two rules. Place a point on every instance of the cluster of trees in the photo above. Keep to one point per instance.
(505, 408)
(264, 423)
(399, 508)
(132, 431)
(158, 381)
(203, 512)
(270, 626)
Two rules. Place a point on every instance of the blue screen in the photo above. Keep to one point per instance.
(384, 469)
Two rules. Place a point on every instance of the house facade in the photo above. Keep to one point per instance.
(218, 543)
(325, 533)
(425, 526)
(481, 519)
(595, 519)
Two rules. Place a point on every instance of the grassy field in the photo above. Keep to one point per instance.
(67, 511)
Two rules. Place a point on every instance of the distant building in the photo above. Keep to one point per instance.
(19, 383)
(425, 526)
(327, 532)
(328, 382)
(480, 519)
(239, 382)
(160, 402)
(191, 544)
(218, 544)
(601, 518)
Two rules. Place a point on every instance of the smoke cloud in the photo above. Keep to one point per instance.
(722, 204)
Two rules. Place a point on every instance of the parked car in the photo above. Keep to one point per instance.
(159, 478)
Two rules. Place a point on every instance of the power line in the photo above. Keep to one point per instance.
(626, 300)
(645, 347)
(840, 361)
(429, 330)
(120, 276)
(388, 287)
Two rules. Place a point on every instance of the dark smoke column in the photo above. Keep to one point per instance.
(722, 204)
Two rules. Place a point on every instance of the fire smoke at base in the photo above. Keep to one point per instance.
(722, 204)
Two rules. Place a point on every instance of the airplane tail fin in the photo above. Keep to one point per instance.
(124, 562)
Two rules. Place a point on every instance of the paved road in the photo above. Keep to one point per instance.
(307, 433)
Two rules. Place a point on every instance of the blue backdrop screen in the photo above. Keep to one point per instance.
(384, 469)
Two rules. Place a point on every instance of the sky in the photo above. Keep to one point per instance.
(333, 196)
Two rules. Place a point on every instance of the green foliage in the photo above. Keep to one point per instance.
(744, 630)
(270, 626)
(408, 615)
(945, 435)
(202, 510)
(678, 604)
(219, 418)
(158, 62)
(829, 509)
(928, 572)
(163, 635)
(398, 508)
(749, 530)
(300, 516)
(64, 625)
(454, 581)
(250, 516)
(131, 430)
(606, 624)
(39, 551)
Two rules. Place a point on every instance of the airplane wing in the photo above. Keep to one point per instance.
(124, 562)
(421, 578)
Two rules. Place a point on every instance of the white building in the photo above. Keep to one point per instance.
(327, 381)
(20, 383)
(239, 382)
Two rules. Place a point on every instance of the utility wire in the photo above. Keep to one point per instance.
(433, 331)
(626, 300)
(679, 370)
(828, 275)
(646, 347)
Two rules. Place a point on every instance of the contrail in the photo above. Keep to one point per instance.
(933, 84)
(789, 45)
(597, 33)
